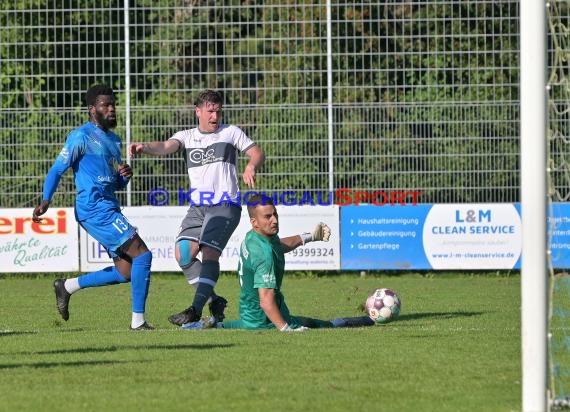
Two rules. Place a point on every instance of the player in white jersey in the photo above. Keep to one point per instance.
(210, 151)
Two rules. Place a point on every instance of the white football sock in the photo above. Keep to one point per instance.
(72, 285)
(137, 320)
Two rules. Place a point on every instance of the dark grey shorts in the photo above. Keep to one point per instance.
(210, 225)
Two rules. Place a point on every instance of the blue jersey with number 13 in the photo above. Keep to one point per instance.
(94, 156)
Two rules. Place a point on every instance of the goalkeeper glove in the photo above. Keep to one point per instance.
(288, 328)
(320, 232)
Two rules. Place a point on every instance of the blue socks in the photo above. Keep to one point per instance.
(140, 280)
(108, 276)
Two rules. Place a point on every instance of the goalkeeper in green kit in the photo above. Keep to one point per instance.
(261, 269)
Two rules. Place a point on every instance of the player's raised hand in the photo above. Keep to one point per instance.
(40, 210)
(136, 148)
(321, 232)
(155, 148)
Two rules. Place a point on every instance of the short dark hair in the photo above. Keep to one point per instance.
(257, 199)
(209, 96)
(95, 91)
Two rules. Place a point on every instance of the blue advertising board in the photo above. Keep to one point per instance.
(559, 235)
(377, 237)
(441, 236)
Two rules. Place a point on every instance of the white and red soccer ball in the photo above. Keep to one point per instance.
(383, 305)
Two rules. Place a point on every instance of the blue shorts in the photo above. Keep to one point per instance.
(111, 230)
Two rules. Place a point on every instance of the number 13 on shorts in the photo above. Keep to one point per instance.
(121, 224)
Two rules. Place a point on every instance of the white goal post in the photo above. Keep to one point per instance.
(534, 273)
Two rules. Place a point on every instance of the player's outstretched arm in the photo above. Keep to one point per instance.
(154, 148)
(321, 232)
(269, 306)
(50, 184)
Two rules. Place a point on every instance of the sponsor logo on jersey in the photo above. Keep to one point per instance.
(64, 154)
(203, 156)
(95, 141)
(106, 178)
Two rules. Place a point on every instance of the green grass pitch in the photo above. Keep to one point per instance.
(455, 347)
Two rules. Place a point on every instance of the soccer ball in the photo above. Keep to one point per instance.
(383, 305)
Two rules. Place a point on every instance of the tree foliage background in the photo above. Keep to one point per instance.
(424, 94)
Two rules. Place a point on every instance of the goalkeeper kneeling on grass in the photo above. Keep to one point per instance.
(261, 269)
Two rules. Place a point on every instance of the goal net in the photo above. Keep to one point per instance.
(558, 150)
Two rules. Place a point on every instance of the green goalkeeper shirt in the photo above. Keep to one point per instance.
(261, 265)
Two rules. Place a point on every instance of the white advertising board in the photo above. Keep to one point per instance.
(472, 236)
(50, 246)
(158, 227)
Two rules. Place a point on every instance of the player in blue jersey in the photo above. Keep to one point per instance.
(93, 151)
